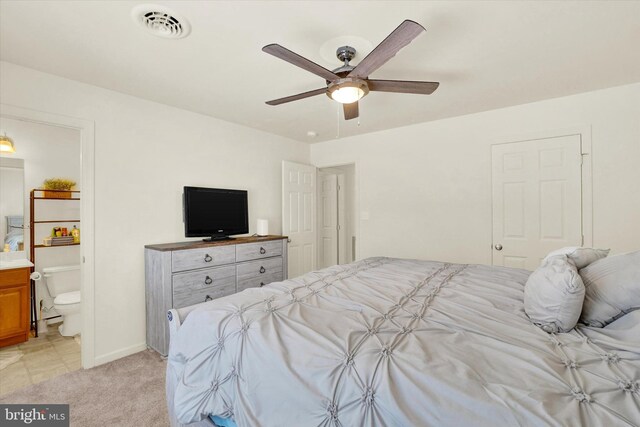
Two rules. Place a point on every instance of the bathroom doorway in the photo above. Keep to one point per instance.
(54, 146)
(336, 215)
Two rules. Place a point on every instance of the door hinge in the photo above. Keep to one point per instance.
(582, 157)
(339, 188)
(582, 243)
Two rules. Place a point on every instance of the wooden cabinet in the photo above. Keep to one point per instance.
(14, 306)
(178, 275)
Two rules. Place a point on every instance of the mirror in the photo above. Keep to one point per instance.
(12, 197)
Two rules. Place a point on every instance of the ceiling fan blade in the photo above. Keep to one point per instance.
(351, 110)
(298, 96)
(399, 38)
(299, 61)
(403, 86)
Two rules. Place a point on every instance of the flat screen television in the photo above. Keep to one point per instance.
(215, 213)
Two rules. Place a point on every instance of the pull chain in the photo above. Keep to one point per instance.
(338, 122)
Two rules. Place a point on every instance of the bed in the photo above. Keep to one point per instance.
(394, 342)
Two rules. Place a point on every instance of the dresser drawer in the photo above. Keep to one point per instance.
(259, 281)
(205, 278)
(203, 295)
(259, 268)
(194, 287)
(201, 258)
(258, 250)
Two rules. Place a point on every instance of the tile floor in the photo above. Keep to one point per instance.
(44, 357)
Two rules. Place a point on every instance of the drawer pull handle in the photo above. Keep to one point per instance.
(207, 298)
(208, 280)
(262, 270)
(207, 258)
(261, 284)
(263, 251)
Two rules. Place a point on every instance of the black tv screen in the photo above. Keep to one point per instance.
(215, 212)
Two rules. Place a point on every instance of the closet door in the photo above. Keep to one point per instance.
(537, 199)
(328, 219)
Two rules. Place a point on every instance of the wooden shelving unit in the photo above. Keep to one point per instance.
(34, 195)
(56, 246)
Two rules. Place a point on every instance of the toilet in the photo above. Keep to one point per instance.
(63, 283)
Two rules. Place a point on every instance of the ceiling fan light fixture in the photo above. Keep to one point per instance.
(347, 94)
(348, 84)
(347, 90)
(6, 144)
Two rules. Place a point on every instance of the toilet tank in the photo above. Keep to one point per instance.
(62, 279)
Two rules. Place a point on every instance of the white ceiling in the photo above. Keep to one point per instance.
(486, 55)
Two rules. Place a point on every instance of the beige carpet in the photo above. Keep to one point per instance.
(126, 392)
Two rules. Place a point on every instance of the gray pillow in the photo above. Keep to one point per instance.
(581, 257)
(553, 295)
(612, 288)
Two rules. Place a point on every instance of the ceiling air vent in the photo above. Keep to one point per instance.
(161, 21)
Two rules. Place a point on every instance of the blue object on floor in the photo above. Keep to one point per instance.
(222, 422)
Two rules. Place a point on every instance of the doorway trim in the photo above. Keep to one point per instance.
(87, 214)
(584, 131)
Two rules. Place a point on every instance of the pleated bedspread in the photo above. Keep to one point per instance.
(393, 342)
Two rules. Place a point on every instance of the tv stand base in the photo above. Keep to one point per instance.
(217, 238)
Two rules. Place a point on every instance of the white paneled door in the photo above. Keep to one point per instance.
(537, 199)
(328, 218)
(299, 216)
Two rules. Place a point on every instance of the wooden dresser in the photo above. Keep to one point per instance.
(181, 274)
(14, 306)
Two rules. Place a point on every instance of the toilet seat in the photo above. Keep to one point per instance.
(67, 298)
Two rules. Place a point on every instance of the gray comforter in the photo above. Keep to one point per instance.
(391, 342)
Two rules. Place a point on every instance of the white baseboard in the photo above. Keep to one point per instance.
(118, 354)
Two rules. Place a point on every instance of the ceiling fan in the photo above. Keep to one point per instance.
(347, 84)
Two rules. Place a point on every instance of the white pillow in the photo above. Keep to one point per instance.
(553, 295)
(581, 257)
(628, 321)
(612, 288)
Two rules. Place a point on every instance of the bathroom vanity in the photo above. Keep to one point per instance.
(14, 302)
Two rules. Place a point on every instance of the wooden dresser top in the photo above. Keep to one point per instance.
(179, 246)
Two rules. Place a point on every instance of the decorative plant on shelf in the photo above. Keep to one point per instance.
(62, 186)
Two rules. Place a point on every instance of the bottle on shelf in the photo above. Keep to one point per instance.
(75, 232)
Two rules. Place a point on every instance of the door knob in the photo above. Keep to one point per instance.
(263, 251)
(207, 298)
(498, 247)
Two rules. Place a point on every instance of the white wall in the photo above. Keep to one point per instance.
(427, 187)
(145, 153)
